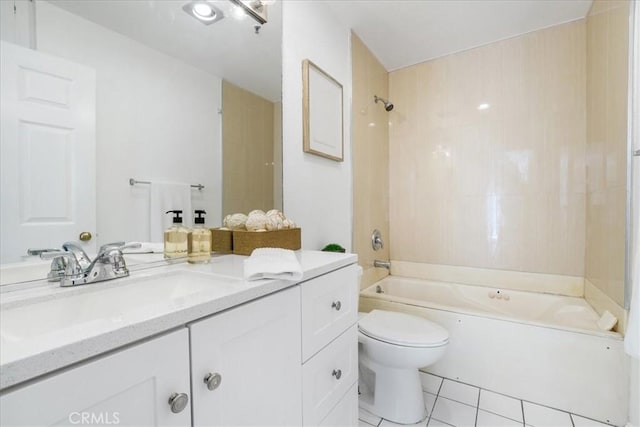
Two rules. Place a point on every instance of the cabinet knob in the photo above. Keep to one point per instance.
(337, 373)
(213, 380)
(337, 305)
(178, 401)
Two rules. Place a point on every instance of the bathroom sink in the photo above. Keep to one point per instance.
(101, 307)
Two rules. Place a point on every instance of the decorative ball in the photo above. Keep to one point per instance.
(235, 221)
(256, 221)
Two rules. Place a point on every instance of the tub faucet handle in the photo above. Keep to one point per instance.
(376, 240)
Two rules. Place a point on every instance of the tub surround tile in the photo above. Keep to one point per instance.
(516, 280)
(542, 416)
(454, 413)
(500, 404)
(488, 419)
(459, 392)
(430, 383)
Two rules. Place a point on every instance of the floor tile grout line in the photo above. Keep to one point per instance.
(522, 401)
(502, 415)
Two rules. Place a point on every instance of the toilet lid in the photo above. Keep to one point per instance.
(402, 329)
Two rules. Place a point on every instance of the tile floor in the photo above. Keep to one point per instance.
(451, 403)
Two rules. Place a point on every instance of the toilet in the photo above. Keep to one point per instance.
(392, 347)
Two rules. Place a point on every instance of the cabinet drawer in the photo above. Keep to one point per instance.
(346, 411)
(329, 307)
(328, 376)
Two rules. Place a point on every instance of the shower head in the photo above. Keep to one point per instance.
(387, 105)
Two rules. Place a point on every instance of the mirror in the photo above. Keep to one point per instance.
(176, 100)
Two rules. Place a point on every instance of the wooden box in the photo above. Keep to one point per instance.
(244, 242)
(221, 240)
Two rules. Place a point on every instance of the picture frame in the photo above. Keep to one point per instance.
(323, 112)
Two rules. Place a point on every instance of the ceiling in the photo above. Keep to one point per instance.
(406, 32)
(229, 48)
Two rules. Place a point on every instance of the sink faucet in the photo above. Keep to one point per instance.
(78, 267)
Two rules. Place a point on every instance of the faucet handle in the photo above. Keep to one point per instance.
(80, 255)
(120, 246)
(37, 252)
(64, 264)
(108, 246)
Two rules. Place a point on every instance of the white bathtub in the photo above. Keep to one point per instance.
(541, 348)
(554, 311)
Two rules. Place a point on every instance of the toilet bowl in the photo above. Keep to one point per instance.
(392, 347)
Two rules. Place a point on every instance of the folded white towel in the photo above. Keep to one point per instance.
(146, 248)
(272, 263)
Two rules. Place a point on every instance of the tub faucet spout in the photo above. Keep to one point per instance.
(382, 264)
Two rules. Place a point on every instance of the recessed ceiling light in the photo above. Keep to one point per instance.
(484, 106)
(203, 11)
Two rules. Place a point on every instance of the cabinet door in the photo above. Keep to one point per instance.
(253, 352)
(130, 387)
(346, 411)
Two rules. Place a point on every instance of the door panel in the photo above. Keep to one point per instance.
(47, 151)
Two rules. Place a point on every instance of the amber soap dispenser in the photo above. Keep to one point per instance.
(175, 237)
(199, 240)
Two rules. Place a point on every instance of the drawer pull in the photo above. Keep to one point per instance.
(213, 380)
(337, 373)
(337, 305)
(178, 401)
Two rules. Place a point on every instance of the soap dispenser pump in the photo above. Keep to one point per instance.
(175, 237)
(199, 240)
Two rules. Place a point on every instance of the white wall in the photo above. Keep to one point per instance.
(317, 192)
(157, 119)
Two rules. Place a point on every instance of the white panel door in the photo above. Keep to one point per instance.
(129, 388)
(255, 351)
(47, 151)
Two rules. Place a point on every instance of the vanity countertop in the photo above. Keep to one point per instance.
(45, 327)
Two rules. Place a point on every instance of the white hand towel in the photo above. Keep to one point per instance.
(272, 263)
(166, 196)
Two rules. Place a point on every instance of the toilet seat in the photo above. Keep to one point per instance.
(402, 329)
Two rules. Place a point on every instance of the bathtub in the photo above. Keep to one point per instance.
(542, 348)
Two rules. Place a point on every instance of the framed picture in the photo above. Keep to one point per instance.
(322, 112)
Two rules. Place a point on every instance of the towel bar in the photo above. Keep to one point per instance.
(133, 181)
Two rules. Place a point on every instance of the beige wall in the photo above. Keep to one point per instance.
(370, 159)
(247, 144)
(606, 153)
(500, 188)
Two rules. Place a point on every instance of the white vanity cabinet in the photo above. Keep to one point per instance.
(287, 358)
(129, 387)
(330, 348)
(245, 364)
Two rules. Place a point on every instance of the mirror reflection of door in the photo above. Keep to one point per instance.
(47, 150)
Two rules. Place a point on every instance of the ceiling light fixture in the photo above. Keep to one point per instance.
(257, 9)
(203, 11)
